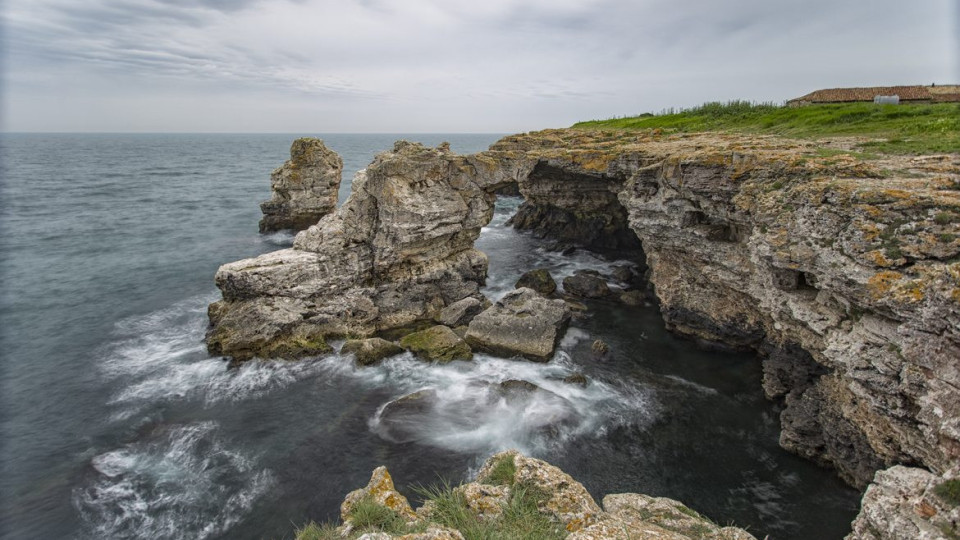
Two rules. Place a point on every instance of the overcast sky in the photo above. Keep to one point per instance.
(444, 65)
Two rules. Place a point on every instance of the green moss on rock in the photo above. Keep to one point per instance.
(437, 344)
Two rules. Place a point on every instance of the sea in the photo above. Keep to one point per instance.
(116, 422)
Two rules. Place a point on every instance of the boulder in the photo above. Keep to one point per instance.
(460, 313)
(539, 280)
(600, 347)
(370, 351)
(437, 344)
(305, 188)
(585, 285)
(522, 323)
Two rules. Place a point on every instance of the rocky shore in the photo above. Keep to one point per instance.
(559, 505)
(843, 274)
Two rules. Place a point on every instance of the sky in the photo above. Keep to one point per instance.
(407, 66)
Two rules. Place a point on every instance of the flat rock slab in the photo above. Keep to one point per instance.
(522, 323)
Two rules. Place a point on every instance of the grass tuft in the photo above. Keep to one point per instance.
(949, 491)
(521, 516)
(502, 472)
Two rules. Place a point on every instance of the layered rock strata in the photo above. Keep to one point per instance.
(399, 250)
(843, 271)
(304, 189)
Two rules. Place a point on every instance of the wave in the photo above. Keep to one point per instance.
(181, 482)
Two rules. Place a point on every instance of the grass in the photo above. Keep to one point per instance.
(367, 516)
(896, 129)
(502, 472)
(949, 491)
(520, 519)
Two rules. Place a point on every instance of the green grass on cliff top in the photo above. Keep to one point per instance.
(896, 129)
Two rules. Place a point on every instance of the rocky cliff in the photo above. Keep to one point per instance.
(304, 189)
(398, 251)
(843, 273)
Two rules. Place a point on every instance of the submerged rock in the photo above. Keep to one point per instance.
(370, 351)
(539, 280)
(632, 298)
(437, 344)
(522, 323)
(586, 285)
(600, 347)
(304, 189)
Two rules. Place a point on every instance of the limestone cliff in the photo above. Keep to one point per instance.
(304, 189)
(843, 272)
(398, 250)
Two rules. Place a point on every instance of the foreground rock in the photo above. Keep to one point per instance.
(909, 503)
(399, 250)
(437, 344)
(305, 188)
(370, 351)
(563, 506)
(522, 323)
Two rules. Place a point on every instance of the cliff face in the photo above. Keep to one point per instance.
(844, 273)
(304, 189)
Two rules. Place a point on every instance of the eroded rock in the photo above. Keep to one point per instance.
(399, 250)
(304, 188)
(909, 503)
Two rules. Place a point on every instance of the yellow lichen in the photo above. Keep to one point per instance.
(881, 283)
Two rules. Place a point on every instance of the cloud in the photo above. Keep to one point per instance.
(432, 65)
